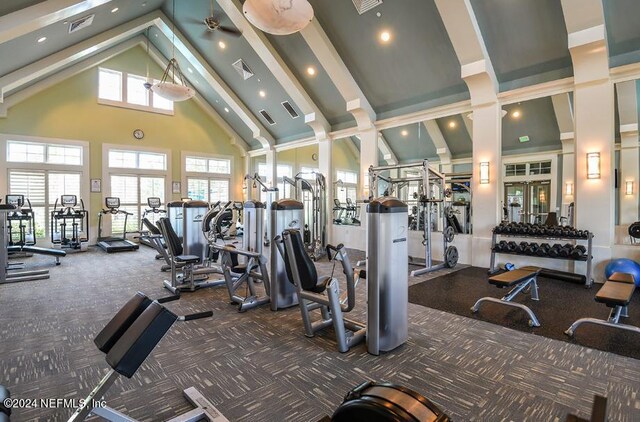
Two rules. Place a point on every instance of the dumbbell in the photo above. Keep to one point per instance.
(554, 251)
(520, 248)
(532, 248)
(578, 252)
(511, 246)
(543, 250)
(500, 247)
(565, 251)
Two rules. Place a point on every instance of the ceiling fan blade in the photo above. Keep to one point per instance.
(208, 35)
(230, 30)
(194, 21)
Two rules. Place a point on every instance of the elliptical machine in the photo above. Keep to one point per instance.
(147, 227)
(70, 224)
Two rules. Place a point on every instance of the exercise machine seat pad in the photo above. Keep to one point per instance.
(622, 278)
(306, 268)
(188, 259)
(140, 339)
(175, 244)
(239, 269)
(511, 278)
(614, 293)
(121, 322)
(150, 226)
(43, 251)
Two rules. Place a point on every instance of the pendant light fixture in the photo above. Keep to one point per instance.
(173, 85)
(278, 17)
(148, 82)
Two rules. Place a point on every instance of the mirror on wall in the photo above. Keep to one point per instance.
(446, 144)
(534, 168)
(346, 184)
(626, 162)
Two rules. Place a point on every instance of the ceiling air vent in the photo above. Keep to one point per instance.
(81, 23)
(241, 67)
(287, 106)
(267, 117)
(365, 5)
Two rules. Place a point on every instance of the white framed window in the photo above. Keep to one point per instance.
(308, 172)
(347, 176)
(122, 89)
(134, 174)
(38, 152)
(207, 177)
(142, 160)
(43, 169)
(349, 187)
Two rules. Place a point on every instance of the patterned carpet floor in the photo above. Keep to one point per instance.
(258, 365)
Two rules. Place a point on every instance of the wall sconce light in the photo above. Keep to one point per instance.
(484, 173)
(568, 190)
(628, 188)
(593, 165)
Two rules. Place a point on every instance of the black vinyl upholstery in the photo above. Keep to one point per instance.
(140, 339)
(306, 268)
(150, 226)
(121, 322)
(173, 241)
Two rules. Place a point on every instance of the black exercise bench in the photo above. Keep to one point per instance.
(616, 293)
(518, 280)
(56, 253)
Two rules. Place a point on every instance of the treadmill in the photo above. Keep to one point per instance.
(114, 243)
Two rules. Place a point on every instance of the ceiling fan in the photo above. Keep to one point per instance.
(212, 24)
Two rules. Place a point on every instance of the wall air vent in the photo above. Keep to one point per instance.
(267, 117)
(365, 5)
(78, 24)
(292, 112)
(241, 67)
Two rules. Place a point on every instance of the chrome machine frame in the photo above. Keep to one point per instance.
(313, 195)
(427, 178)
(272, 196)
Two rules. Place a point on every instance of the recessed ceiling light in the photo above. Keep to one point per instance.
(222, 45)
(516, 114)
(385, 36)
(262, 94)
(311, 71)
(452, 124)
(144, 4)
(404, 133)
(114, 10)
(226, 109)
(190, 70)
(42, 39)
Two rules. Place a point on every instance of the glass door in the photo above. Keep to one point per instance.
(527, 202)
(514, 201)
(538, 203)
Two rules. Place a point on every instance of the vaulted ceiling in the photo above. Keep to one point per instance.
(417, 70)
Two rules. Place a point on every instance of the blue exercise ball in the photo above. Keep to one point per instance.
(623, 265)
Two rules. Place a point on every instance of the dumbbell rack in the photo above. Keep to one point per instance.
(589, 239)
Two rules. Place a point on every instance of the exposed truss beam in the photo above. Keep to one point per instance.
(41, 15)
(563, 110)
(387, 153)
(442, 149)
(269, 56)
(627, 104)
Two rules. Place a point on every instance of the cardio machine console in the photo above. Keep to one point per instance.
(112, 203)
(153, 202)
(69, 201)
(17, 200)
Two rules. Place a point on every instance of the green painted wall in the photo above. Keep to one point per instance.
(70, 110)
(343, 156)
(299, 157)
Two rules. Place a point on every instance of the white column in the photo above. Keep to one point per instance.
(368, 158)
(325, 166)
(246, 186)
(568, 172)
(594, 123)
(629, 172)
(272, 168)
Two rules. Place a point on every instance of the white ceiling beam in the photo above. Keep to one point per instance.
(387, 153)
(53, 63)
(235, 139)
(468, 123)
(43, 14)
(464, 32)
(327, 55)
(587, 39)
(353, 148)
(200, 65)
(270, 57)
(563, 110)
(627, 104)
(67, 73)
(442, 149)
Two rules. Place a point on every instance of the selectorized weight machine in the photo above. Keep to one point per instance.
(252, 182)
(430, 199)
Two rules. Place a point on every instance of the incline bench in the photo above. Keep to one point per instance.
(616, 293)
(518, 279)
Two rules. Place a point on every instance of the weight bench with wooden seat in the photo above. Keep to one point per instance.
(616, 293)
(518, 280)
